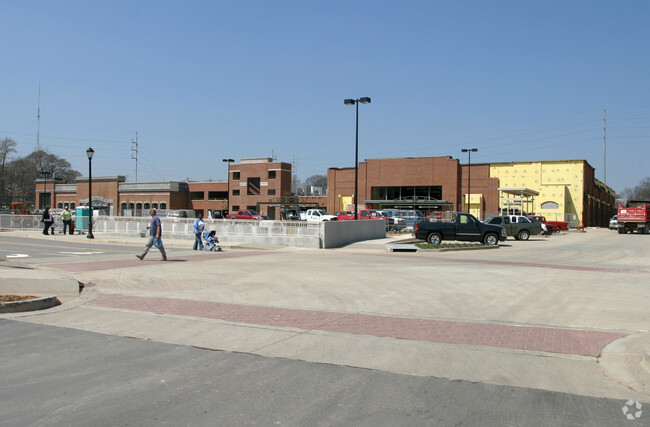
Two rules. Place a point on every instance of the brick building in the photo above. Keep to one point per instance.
(560, 190)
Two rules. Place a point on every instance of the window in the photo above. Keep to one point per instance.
(197, 195)
(163, 205)
(147, 206)
(271, 174)
(217, 195)
(60, 205)
(72, 205)
(495, 220)
(271, 191)
(235, 192)
(235, 176)
(407, 193)
(253, 187)
(234, 208)
(550, 205)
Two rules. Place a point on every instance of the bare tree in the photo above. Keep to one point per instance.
(6, 147)
(640, 192)
(22, 173)
(317, 181)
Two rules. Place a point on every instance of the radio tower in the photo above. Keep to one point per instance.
(134, 154)
(38, 117)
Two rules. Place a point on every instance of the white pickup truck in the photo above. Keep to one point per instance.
(317, 215)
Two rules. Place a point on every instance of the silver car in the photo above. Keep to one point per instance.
(613, 223)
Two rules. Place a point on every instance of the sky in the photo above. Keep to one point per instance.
(200, 81)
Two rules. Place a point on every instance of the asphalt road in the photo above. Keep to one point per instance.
(36, 250)
(57, 376)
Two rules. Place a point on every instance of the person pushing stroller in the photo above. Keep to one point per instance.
(211, 241)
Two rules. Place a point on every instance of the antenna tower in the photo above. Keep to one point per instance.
(605, 147)
(134, 154)
(38, 117)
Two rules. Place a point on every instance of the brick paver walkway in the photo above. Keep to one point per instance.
(545, 339)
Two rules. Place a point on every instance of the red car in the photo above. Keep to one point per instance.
(245, 214)
(362, 214)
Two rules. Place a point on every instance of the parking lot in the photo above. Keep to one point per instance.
(363, 306)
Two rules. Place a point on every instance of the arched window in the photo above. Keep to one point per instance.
(550, 205)
(146, 206)
(154, 205)
(163, 205)
(60, 205)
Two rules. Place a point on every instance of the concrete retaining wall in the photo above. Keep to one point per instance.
(330, 234)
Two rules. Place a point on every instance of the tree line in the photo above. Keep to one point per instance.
(640, 192)
(18, 175)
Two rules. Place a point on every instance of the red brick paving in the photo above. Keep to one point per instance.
(532, 338)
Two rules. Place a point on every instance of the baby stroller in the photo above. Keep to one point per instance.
(211, 241)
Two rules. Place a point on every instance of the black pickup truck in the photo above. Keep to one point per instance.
(462, 226)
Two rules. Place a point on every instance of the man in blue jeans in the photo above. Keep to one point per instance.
(155, 233)
(198, 231)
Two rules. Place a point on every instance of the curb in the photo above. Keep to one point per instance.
(29, 305)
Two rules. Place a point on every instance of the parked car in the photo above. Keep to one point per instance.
(552, 225)
(319, 215)
(613, 223)
(245, 214)
(517, 226)
(461, 226)
(361, 214)
(396, 222)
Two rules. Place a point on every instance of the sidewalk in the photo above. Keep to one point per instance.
(479, 316)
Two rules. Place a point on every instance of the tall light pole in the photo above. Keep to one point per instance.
(469, 152)
(228, 161)
(45, 174)
(356, 102)
(89, 153)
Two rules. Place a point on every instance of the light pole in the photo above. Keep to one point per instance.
(469, 152)
(89, 153)
(45, 174)
(228, 161)
(356, 102)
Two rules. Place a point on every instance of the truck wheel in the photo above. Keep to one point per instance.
(620, 230)
(523, 235)
(491, 239)
(434, 238)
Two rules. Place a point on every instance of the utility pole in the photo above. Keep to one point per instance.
(605, 147)
(134, 154)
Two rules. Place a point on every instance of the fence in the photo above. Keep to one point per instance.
(327, 234)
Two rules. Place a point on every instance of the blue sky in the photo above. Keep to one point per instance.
(205, 80)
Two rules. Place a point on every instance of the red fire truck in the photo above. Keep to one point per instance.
(633, 215)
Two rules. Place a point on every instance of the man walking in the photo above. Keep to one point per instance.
(155, 233)
(66, 217)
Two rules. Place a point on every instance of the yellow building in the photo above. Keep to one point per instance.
(561, 190)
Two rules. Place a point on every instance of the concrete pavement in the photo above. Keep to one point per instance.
(567, 313)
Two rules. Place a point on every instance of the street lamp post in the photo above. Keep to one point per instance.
(469, 152)
(89, 153)
(228, 161)
(45, 174)
(356, 102)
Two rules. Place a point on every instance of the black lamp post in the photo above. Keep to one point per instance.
(89, 153)
(469, 152)
(356, 102)
(228, 161)
(45, 174)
